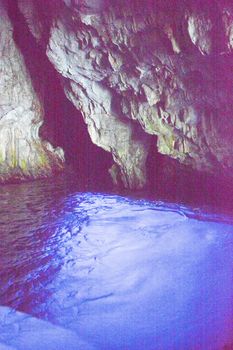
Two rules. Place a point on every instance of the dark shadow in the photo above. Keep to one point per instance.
(63, 124)
(169, 180)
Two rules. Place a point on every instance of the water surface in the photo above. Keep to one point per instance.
(120, 273)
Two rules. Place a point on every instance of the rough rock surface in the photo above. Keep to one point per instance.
(22, 153)
(143, 68)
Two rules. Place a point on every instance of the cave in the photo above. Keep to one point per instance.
(116, 186)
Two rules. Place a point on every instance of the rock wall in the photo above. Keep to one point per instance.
(22, 153)
(143, 68)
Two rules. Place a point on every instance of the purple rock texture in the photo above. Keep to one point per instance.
(145, 74)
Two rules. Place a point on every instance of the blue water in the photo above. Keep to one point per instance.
(120, 273)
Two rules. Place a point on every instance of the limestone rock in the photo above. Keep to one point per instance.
(22, 153)
(137, 69)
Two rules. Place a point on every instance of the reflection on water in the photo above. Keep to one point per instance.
(122, 273)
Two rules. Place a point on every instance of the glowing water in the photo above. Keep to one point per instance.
(119, 273)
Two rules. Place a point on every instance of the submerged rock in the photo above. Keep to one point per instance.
(20, 331)
(22, 153)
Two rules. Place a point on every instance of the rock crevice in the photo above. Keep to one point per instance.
(22, 153)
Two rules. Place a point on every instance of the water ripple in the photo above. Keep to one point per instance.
(123, 273)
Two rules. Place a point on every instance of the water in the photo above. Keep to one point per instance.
(120, 273)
